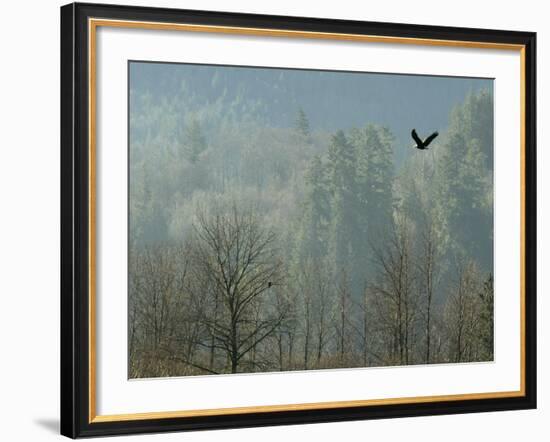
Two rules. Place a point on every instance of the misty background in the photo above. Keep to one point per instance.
(331, 100)
(282, 219)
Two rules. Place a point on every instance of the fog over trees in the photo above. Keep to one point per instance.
(276, 224)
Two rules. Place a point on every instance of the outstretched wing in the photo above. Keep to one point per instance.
(416, 139)
(430, 138)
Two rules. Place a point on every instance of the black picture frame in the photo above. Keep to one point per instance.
(75, 220)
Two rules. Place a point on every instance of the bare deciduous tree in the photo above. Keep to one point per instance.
(461, 314)
(158, 276)
(238, 255)
(342, 317)
(314, 289)
(427, 263)
(394, 291)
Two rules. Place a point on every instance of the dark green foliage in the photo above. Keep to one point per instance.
(463, 183)
(344, 206)
(314, 229)
(302, 124)
(375, 180)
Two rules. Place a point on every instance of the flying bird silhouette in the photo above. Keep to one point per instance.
(423, 144)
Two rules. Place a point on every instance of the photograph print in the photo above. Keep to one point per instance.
(291, 219)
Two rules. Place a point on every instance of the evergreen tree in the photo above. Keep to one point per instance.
(343, 186)
(477, 122)
(147, 217)
(313, 235)
(463, 188)
(375, 174)
(302, 124)
(194, 142)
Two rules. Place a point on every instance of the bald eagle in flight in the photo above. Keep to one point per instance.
(422, 145)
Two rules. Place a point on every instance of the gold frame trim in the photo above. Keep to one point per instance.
(93, 24)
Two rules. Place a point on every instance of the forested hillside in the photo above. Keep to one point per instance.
(273, 228)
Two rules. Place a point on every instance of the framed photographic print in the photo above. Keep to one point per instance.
(275, 220)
